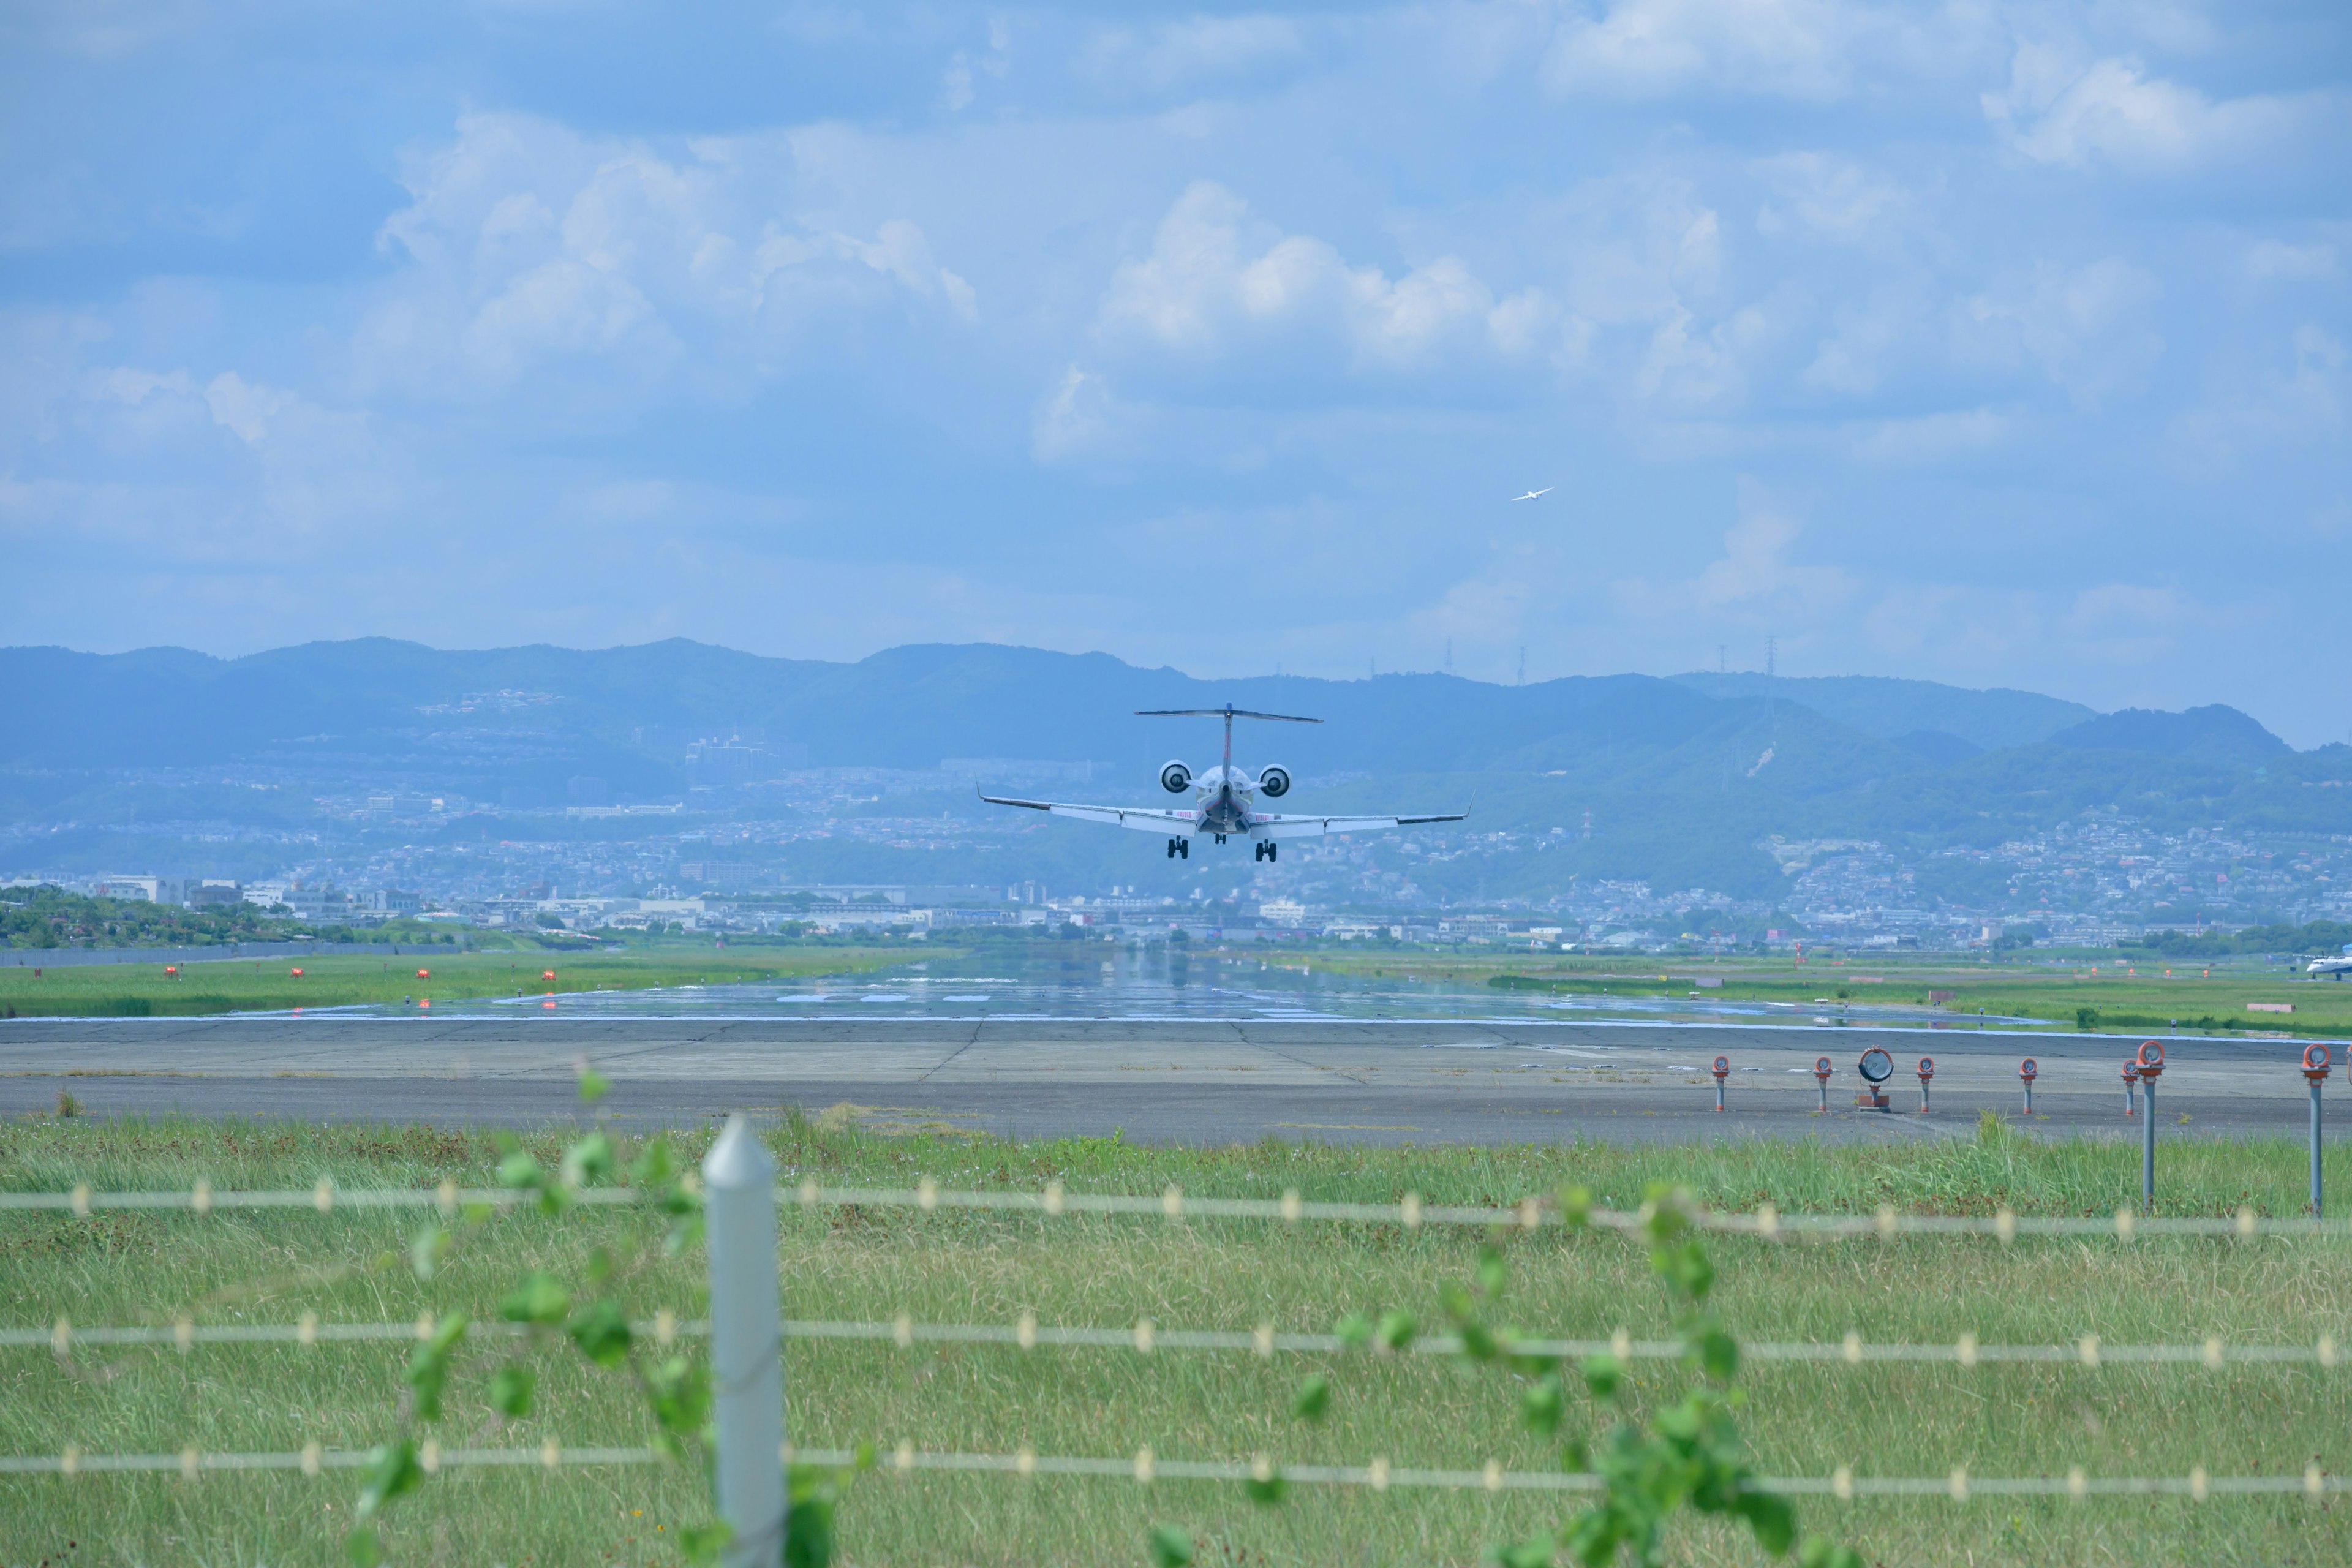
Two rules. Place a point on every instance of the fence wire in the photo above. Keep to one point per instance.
(1175, 1204)
(1145, 1468)
(1147, 1337)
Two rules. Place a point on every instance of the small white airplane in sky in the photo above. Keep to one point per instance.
(1533, 494)
(1224, 799)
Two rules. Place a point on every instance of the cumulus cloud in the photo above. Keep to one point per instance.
(1803, 50)
(2086, 329)
(2112, 111)
(528, 243)
(1754, 580)
(1823, 195)
(1195, 54)
(1218, 282)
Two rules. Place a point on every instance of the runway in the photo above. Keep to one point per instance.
(1200, 1081)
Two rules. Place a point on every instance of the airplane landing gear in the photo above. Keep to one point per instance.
(1266, 849)
(1180, 848)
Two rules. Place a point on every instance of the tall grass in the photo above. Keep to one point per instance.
(961, 1266)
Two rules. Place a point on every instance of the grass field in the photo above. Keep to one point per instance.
(952, 1267)
(2126, 994)
(224, 985)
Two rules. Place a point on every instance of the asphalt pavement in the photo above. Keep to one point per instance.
(1205, 1081)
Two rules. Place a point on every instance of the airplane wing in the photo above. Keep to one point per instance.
(1144, 818)
(1271, 826)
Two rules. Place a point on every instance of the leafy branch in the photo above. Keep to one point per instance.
(589, 1315)
(1685, 1456)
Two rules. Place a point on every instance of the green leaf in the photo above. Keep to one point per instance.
(1395, 1331)
(1354, 1331)
(589, 1160)
(1542, 1404)
(393, 1471)
(704, 1543)
(1456, 1301)
(519, 1169)
(1602, 1374)
(511, 1390)
(1717, 1353)
(1773, 1519)
(815, 1491)
(1479, 1343)
(1266, 1492)
(1535, 1551)
(538, 1299)
(428, 1369)
(600, 1265)
(1169, 1546)
(593, 1086)
(653, 1166)
(361, 1549)
(601, 1333)
(1494, 1274)
(1313, 1398)
(426, 1252)
(1576, 1206)
(680, 1395)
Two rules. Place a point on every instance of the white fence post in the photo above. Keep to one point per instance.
(747, 1371)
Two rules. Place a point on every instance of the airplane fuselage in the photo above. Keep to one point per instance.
(1224, 798)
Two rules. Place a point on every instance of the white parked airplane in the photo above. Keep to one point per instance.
(1223, 799)
(2337, 967)
(1533, 494)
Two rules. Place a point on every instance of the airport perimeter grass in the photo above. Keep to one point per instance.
(341, 979)
(244, 1265)
(2126, 994)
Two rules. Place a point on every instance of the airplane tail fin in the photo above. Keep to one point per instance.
(1219, 713)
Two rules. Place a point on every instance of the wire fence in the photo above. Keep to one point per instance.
(755, 1237)
(1053, 1201)
(1146, 1337)
(1145, 1468)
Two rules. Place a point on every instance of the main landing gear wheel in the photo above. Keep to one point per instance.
(1180, 848)
(1266, 849)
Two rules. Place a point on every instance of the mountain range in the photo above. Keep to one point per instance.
(1681, 777)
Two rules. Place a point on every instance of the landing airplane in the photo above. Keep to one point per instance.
(2338, 967)
(1535, 495)
(1223, 799)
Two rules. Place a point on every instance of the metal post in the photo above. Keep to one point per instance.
(2315, 1073)
(2315, 1148)
(747, 1371)
(1722, 1070)
(2150, 1062)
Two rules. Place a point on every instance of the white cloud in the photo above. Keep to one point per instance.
(1072, 418)
(958, 87)
(1785, 48)
(1195, 54)
(1825, 196)
(1753, 581)
(244, 406)
(528, 243)
(2111, 111)
(2275, 261)
(2300, 400)
(1218, 282)
(2085, 328)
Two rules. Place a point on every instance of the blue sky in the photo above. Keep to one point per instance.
(1987, 343)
